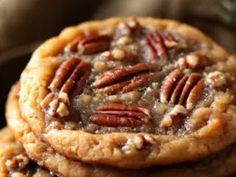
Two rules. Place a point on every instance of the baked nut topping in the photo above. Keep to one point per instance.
(70, 78)
(105, 80)
(125, 79)
(182, 89)
(216, 79)
(128, 28)
(155, 46)
(96, 91)
(190, 61)
(89, 45)
(94, 45)
(120, 115)
(175, 113)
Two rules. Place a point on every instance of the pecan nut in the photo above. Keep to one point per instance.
(71, 75)
(125, 79)
(195, 60)
(216, 79)
(183, 89)
(177, 112)
(56, 104)
(89, 45)
(116, 114)
(139, 142)
(128, 28)
(125, 53)
(157, 44)
(94, 45)
(70, 78)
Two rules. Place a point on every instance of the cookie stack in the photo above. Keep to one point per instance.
(123, 97)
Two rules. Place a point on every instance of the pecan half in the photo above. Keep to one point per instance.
(56, 104)
(156, 45)
(89, 45)
(183, 89)
(116, 115)
(70, 78)
(125, 79)
(94, 45)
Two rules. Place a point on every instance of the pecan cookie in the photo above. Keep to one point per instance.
(13, 160)
(45, 156)
(221, 165)
(131, 93)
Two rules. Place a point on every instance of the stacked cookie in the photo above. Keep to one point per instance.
(124, 97)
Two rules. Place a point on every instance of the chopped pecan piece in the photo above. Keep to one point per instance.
(128, 27)
(193, 60)
(56, 104)
(94, 45)
(126, 53)
(177, 112)
(125, 79)
(116, 115)
(70, 78)
(129, 52)
(183, 89)
(123, 41)
(139, 142)
(216, 79)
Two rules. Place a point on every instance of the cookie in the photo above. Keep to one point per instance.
(13, 160)
(221, 165)
(131, 93)
(44, 155)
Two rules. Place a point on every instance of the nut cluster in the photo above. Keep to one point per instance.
(183, 89)
(135, 54)
(70, 78)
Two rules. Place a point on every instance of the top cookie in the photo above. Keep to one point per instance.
(131, 93)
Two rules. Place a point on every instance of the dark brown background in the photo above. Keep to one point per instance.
(24, 23)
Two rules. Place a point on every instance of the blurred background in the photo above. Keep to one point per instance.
(25, 24)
